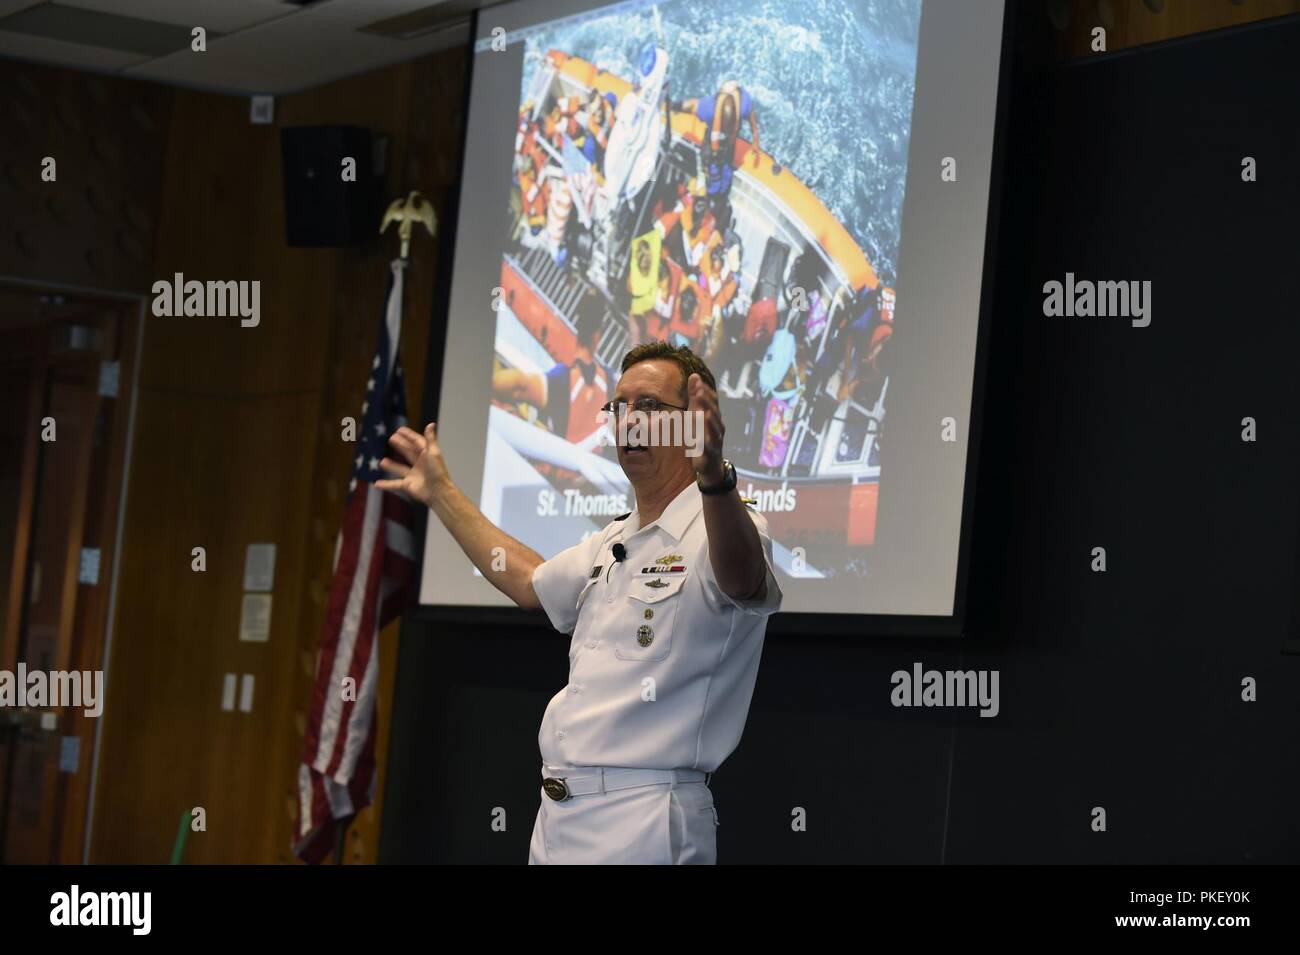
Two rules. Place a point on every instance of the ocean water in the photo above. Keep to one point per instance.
(832, 82)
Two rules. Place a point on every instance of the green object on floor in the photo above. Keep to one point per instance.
(182, 833)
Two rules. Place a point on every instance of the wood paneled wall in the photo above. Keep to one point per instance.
(96, 223)
(238, 441)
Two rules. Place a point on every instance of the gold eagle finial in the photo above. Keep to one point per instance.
(407, 212)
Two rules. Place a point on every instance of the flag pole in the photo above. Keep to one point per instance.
(340, 841)
(407, 213)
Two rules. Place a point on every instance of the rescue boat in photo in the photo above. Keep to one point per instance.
(615, 239)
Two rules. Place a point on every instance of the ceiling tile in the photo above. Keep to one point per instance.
(221, 16)
(13, 6)
(44, 50)
(358, 13)
(288, 55)
(93, 28)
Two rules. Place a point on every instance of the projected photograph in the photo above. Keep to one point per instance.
(729, 176)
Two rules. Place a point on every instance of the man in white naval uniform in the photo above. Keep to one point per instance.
(668, 607)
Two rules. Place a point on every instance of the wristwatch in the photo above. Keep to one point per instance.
(727, 483)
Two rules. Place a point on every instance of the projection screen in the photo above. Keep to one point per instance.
(799, 190)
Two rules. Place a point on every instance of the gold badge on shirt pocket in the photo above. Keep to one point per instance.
(650, 598)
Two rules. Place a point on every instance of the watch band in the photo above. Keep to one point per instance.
(728, 482)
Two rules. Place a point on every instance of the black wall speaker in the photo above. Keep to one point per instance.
(320, 207)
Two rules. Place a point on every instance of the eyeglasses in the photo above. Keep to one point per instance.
(646, 405)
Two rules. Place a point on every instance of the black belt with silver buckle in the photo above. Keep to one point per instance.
(557, 789)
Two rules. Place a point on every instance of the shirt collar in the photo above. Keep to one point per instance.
(678, 515)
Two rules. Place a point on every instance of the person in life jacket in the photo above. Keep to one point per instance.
(760, 321)
(699, 232)
(642, 283)
(530, 174)
(575, 393)
(526, 135)
(670, 281)
(691, 308)
(723, 113)
(718, 286)
(563, 120)
(701, 235)
(856, 345)
(700, 325)
(657, 323)
(567, 397)
(534, 194)
(599, 122)
(717, 278)
(865, 369)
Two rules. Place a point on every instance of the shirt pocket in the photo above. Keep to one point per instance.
(651, 612)
(584, 593)
(575, 642)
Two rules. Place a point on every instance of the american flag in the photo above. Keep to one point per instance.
(374, 564)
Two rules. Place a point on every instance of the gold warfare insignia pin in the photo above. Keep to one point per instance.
(656, 583)
(644, 635)
(669, 559)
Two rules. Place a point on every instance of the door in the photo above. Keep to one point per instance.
(64, 363)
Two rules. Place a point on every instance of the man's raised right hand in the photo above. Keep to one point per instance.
(424, 475)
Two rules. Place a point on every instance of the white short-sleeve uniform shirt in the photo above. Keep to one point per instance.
(662, 663)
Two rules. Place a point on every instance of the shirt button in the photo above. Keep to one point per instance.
(573, 689)
(561, 734)
(591, 645)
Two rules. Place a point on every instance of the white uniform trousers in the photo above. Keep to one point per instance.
(666, 823)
